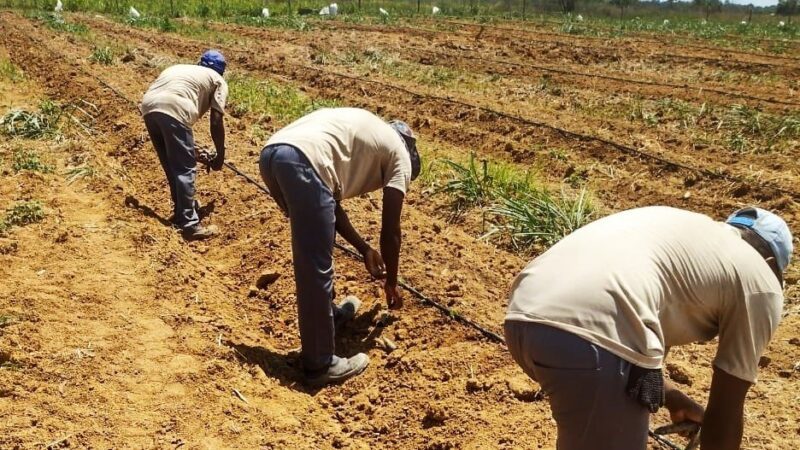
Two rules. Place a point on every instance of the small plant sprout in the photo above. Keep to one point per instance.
(26, 160)
(24, 213)
(76, 173)
(102, 55)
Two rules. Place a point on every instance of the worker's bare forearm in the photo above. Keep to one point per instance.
(218, 133)
(390, 232)
(723, 423)
(390, 250)
(348, 232)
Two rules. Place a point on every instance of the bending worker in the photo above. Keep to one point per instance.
(311, 166)
(179, 97)
(592, 319)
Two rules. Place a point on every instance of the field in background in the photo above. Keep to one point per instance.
(116, 332)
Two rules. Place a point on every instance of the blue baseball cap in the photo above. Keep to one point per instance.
(410, 140)
(213, 59)
(768, 226)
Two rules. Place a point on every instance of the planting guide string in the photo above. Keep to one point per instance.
(423, 298)
(530, 122)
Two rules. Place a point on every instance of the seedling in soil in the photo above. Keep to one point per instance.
(76, 173)
(24, 213)
(9, 71)
(57, 23)
(29, 161)
(102, 55)
(20, 123)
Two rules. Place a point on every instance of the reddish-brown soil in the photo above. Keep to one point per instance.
(119, 334)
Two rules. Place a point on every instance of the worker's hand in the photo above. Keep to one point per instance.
(393, 297)
(216, 163)
(374, 263)
(682, 408)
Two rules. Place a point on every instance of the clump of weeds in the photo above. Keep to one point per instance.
(28, 160)
(520, 212)
(24, 213)
(102, 55)
(9, 71)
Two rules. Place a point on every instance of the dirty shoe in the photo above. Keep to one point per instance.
(199, 232)
(340, 370)
(345, 311)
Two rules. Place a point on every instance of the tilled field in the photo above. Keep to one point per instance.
(123, 335)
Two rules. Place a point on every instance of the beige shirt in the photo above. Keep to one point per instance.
(642, 280)
(186, 92)
(352, 150)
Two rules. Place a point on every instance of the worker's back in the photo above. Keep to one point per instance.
(640, 280)
(186, 92)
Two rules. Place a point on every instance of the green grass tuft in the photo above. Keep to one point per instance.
(76, 173)
(9, 71)
(521, 212)
(102, 55)
(264, 97)
(57, 23)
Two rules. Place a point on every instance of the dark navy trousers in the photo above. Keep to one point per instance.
(174, 145)
(310, 206)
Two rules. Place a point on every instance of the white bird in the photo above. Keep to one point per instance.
(325, 11)
(334, 9)
(781, 24)
(435, 10)
(666, 22)
(579, 18)
(264, 12)
(383, 11)
(134, 13)
(59, 6)
(744, 22)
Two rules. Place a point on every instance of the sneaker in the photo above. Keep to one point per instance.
(345, 311)
(199, 232)
(340, 370)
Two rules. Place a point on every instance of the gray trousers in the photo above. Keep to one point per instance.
(309, 203)
(585, 385)
(174, 145)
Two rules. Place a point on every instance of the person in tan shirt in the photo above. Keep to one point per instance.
(179, 97)
(592, 319)
(310, 167)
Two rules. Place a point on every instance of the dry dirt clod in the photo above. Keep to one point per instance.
(266, 279)
(764, 361)
(678, 374)
(435, 416)
(794, 341)
(524, 390)
(386, 344)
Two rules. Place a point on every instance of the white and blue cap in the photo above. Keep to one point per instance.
(410, 140)
(213, 59)
(770, 227)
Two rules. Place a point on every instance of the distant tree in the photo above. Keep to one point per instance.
(709, 6)
(622, 4)
(787, 8)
